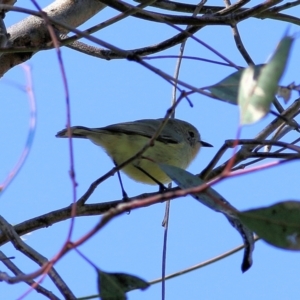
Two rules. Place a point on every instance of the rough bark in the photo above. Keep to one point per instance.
(33, 33)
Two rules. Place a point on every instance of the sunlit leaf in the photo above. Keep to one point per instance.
(278, 224)
(113, 286)
(257, 92)
(227, 89)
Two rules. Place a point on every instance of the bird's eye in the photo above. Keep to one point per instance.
(192, 134)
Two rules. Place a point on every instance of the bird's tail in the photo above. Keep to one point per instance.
(76, 132)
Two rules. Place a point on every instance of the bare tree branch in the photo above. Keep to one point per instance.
(32, 32)
(31, 253)
(11, 266)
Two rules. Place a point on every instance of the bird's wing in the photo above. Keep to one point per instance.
(145, 128)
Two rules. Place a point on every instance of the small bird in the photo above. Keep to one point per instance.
(177, 145)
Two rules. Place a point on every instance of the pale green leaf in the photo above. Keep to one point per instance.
(227, 89)
(278, 225)
(257, 92)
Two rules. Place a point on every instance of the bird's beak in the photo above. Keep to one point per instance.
(204, 144)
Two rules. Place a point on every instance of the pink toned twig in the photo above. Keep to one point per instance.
(31, 131)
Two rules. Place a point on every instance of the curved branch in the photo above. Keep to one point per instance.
(172, 19)
(35, 256)
(243, 153)
(14, 269)
(271, 13)
(32, 31)
(44, 221)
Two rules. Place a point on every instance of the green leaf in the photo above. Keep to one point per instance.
(278, 225)
(257, 92)
(208, 197)
(113, 286)
(212, 199)
(227, 89)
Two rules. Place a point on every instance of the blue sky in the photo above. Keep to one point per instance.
(108, 92)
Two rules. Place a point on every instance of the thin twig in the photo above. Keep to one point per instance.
(168, 203)
(284, 6)
(68, 112)
(31, 131)
(255, 10)
(240, 46)
(102, 25)
(232, 7)
(108, 54)
(31, 253)
(202, 264)
(190, 57)
(241, 155)
(13, 268)
(243, 166)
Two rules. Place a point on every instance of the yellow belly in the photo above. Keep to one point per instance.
(121, 147)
